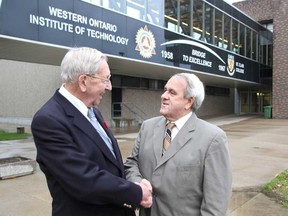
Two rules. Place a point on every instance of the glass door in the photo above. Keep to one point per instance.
(254, 102)
(244, 102)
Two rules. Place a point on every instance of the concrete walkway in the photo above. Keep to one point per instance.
(258, 147)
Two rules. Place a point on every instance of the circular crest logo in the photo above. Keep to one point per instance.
(145, 42)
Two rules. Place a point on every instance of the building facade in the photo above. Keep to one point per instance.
(146, 42)
(274, 12)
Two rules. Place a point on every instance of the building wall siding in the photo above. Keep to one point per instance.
(25, 87)
(150, 102)
(280, 60)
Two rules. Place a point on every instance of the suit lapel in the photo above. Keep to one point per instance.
(83, 124)
(158, 135)
(181, 139)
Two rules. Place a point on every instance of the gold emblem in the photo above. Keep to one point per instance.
(145, 42)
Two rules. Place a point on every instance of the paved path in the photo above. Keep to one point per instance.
(258, 147)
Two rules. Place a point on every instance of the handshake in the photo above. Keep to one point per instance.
(146, 187)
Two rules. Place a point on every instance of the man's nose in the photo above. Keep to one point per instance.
(109, 86)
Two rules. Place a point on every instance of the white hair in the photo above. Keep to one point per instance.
(83, 60)
(195, 88)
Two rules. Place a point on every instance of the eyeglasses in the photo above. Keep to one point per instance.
(104, 80)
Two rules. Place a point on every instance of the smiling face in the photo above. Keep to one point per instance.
(173, 103)
(94, 87)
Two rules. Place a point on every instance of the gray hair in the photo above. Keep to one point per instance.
(82, 60)
(195, 88)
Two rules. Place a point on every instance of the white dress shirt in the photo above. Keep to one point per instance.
(179, 124)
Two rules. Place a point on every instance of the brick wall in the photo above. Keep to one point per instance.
(280, 60)
(257, 9)
(276, 10)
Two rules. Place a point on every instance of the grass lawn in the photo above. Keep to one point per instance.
(277, 189)
(12, 136)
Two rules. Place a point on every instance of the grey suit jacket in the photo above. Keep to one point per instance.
(193, 177)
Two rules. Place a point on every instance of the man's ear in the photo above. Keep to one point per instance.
(82, 82)
(189, 103)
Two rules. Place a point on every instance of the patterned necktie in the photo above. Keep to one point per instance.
(100, 130)
(167, 138)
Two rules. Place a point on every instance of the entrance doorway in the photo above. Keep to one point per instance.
(253, 102)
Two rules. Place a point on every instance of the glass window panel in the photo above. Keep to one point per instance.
(185, 14)
(132, 12)
(130, 81)
(254, 45)
(116, 80)
(270, 54)
(94, 2)
(171, 21)
(261, 50)
(116, 5)
(265, 54)
(244, 98)
(197, 19)
(209, 17)
(218, 29)
(248, 43)
(270, 26)
(241, 46)
(136, 9)
(235, 36)
(155, 12)
(227, 32)
(144, 83)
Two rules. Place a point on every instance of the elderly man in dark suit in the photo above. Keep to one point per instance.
(76, 151)
(190, 171)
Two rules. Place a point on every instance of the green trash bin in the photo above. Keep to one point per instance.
(267, 112)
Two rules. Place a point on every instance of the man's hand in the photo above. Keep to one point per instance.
(147, 193)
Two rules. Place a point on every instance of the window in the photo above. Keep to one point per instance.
(117, 5)
(171, 19)
(128, 81)
(155, 12)
(185, 14)
(227, 32)
(136, 9)
(218, 28)
(254, 45)
(248, 42)
(119, 81)
(197, 19)
(241, 46)
(217, 91)
(209, 17)
(235, 36)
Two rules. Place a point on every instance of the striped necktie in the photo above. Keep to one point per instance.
(167, 138)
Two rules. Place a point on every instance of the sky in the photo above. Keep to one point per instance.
(232, 1)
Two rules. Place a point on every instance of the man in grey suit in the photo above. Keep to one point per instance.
(193, 175)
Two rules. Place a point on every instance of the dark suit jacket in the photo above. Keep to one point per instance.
(82, 175)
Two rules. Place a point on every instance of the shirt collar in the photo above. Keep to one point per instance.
(74, 100)
(180, 122)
